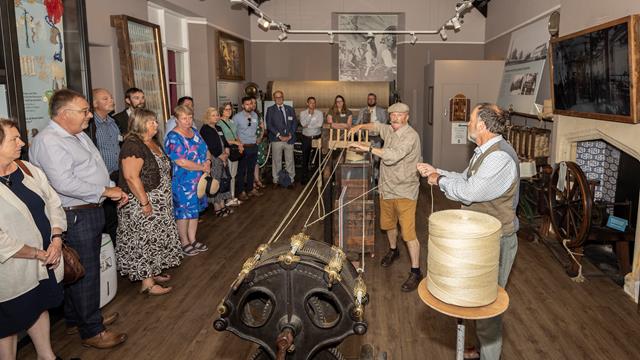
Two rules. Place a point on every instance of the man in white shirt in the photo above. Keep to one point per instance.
(373, 114)
(311, 121)
(80, 177)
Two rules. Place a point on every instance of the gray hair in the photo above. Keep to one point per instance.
(495, 119)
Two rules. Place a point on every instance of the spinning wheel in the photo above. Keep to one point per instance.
(570, 203)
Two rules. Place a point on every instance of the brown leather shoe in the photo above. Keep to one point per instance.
(412, 282)
(388, 259)
(106, 321)
(243, 196)
(105, 340)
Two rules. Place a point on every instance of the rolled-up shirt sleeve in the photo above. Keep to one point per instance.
(493, 178)
(57, 163)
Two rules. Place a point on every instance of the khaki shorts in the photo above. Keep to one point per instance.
(403, 210)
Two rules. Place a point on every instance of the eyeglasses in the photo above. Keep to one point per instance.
(83, 111)
(249, 120)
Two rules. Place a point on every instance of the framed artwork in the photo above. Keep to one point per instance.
(365, 57)
(230, 57)
(459, 108)
(525, 68)
(46, 50)
(595, 72)
(141, 61)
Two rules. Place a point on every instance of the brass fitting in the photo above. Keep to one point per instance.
(334, 267)
(297, 242)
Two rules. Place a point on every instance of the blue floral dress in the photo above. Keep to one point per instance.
(184, 183)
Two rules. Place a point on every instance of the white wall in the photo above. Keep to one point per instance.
(418, 15)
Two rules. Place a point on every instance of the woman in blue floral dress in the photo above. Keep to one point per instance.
(190, 160)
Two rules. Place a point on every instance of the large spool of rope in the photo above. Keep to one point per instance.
(464, 252)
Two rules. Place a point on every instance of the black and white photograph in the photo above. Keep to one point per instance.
(365, 57)
(529, 83)
(516, 84)
(591, 72)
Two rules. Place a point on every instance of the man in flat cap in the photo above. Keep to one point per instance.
(398, 185)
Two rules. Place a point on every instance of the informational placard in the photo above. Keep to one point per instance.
(524, 67)
(458, 133)
(42, 63)
(230, 91)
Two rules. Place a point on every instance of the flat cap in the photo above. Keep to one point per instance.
(399, 107)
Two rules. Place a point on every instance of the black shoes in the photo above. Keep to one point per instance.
(412, 282)
(388, 259)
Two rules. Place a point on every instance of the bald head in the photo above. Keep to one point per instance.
(102, 102)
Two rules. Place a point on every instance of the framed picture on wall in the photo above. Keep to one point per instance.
(141, 61)
(45, 49)
(595, 72)
(230, 57)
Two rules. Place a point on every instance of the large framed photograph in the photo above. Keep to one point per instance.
(595, 72)
(141, 61)
(365, 57)
(230, 57)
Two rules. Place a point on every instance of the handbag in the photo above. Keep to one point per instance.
(234, 153)
(73, 269)
(225, 180)
(234, 150)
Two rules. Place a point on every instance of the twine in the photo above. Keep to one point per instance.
(578, 278)
(463, 257)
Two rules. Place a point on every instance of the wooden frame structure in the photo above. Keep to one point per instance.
(142, 61)
(633, 29)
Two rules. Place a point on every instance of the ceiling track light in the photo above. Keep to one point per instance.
(267, 23)
(443, 34)
(263, 23)
(455, 22)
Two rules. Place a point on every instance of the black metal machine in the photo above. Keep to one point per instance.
(296, 300)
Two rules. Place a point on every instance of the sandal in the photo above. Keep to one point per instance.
(161, 278)
(199, 247)
(150, 291)
(189, 250)
(224, 212)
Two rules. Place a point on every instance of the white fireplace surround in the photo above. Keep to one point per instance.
(568, 131)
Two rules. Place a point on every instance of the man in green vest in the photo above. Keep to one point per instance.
(489, 185)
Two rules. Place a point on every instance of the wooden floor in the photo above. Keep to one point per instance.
(550, 316)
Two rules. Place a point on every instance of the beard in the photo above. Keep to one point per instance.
(140, 106)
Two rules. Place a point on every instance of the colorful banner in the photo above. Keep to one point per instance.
(42, 64)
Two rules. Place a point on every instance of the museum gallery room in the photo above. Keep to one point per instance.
(317, 180)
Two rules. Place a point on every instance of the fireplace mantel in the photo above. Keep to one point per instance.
(567, 131)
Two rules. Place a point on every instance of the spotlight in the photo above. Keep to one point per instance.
(455, 21)
(283, 35)
(331, 38)
(443, 34)
(263, 23)
(369, 34)
(413, 39)
(463, 7)
(234, 2)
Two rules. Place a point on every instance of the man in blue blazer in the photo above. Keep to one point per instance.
(281, 124)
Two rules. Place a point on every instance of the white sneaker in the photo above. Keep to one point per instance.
(233, 202)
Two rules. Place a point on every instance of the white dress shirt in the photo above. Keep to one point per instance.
(72, 163)
(311, 123)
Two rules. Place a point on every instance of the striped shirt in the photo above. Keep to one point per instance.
(495, 176)
(108, 139)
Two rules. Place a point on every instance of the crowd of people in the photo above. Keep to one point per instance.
(92, 172)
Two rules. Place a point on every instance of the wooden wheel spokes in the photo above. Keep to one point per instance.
(570, 208)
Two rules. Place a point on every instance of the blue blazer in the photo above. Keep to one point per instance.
(277, 124)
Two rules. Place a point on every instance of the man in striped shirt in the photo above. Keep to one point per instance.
(489, 185)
